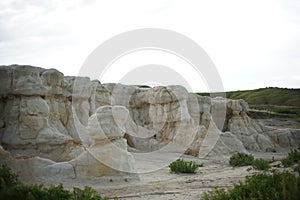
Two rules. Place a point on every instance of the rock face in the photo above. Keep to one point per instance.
(44, 120)
(107, 153)
(75, 127)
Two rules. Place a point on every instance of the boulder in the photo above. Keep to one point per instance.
(106, 158)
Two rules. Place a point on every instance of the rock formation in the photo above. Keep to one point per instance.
(75, 127)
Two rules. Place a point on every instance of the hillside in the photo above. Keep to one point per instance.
(268, 96)
(271, 102)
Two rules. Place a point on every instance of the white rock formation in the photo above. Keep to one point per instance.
(33, 168)
(107, 151)
(43, 120)
(75, 127)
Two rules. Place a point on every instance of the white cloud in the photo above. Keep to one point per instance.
(250, 42)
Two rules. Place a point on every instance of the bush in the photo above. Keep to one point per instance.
(12, 188)
(291, 159)
(297, 168)
(58, 192)
(7, 178)
(21, 191)
(182, 166)
(39, 192)
(260, 164)
(287, 162)
(241, 159)
(276, 186)
(87, 193)
(35, 192)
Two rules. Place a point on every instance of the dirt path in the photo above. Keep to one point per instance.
(181, 186)
(162, 184)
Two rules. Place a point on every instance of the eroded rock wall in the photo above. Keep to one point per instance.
(84, 126)
(43, 120)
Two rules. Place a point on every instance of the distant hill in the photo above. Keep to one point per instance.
(271, 102)
(271, 96)
(266, 96)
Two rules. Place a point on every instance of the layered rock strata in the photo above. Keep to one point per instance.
(75, 127)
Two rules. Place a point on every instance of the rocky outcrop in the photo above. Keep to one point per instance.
(75, 127)
(34, 168)
(44, 119)
(37, 112)
(107, 150)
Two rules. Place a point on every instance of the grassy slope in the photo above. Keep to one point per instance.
(270, 102)
(269, 96)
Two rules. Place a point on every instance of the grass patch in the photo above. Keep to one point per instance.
(297, 168)
(276, 186)
(292, 158)
(7, 178)
(12, 188)
(271, 102)
(273, 185)
(182, 166)
(265, 96)
(241, 159)
(260, 164)
(274, 111)
(270, 96)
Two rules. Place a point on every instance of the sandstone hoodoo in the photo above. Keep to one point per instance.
(58, 127)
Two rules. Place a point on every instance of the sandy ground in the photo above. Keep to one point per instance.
(161, 184)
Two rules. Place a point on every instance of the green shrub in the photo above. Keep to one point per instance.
(21, 191)
(182, 166)
(276, 186)
(58, 192)
(260, 164)
(87, 193)
(297, 168)
(7, 178)
(241, 159)
(287, 162)
(291, 159)
(216, 194)
(12, 188)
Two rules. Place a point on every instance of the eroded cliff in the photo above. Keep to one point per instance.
(53, 125)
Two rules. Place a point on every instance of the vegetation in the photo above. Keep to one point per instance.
(260, 164)
(241, 159)
(265, 96)
(274, 111)
(276, 186)
(182, 166)
(12, 188)
(292, 158)
(272, 185)
(271, 102)
(297, 168)
(7, 179)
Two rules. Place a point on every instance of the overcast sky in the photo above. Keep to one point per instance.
(253, 44)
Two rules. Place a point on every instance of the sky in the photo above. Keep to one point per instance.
(253, 44)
